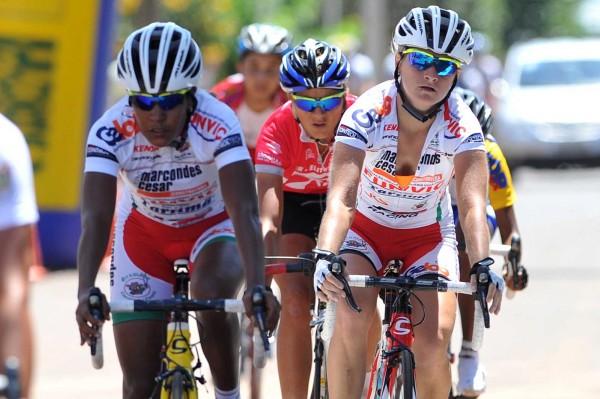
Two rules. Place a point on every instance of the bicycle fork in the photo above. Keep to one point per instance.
(397, 336)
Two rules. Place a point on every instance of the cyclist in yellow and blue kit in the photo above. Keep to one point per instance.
(501, 215)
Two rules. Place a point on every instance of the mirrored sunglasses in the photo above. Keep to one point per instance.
(328, 103)
(166, 101)
(421, 60)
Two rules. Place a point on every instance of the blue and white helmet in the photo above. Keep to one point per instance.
(314, 64)
(437, 29)
(158, 58)
(264, 39)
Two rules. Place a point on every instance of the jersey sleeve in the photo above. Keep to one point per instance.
(356, 124)
(271, 147)
(102, 143)
(229, 146)
(501, 190)
(17, 194)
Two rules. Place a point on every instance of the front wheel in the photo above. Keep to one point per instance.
(405, 380)
(180, 388)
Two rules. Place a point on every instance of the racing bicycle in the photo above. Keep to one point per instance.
(392, 374)
(321, 319)
(178, 373)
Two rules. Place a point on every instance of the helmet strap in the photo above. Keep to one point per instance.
(411, 109)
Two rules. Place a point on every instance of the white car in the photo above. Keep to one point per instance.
(549, 101)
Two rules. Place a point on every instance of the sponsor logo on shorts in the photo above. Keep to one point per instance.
(136, 286)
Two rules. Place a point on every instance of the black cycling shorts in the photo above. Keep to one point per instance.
(302, 213)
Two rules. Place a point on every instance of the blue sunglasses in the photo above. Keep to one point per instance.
(166, 101)
(328, 103)
(421, 60)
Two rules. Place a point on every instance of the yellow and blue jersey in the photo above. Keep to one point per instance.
(501, 190)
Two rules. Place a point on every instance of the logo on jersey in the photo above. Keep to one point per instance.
(385, 108)
(453, 128)
(93, 151)
(145, 148)
(498, 179)
(347, 131)
(364, 118)
(162, 180)
(474, 138)
(203, 124)
(109, 135)
(386, 162)
(127, 129)
(430, 159)
(229, 142)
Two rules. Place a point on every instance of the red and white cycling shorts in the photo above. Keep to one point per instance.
(144, 251)
(423, 250)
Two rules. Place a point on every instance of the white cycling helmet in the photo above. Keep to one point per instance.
(437, 29)
(264, 39)
(160, 57)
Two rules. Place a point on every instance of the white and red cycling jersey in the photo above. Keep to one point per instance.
(399, 201)
(406, 217)
(284, 148)
(173, 185)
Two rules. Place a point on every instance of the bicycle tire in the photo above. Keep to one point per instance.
(405, 380)
(178, 386)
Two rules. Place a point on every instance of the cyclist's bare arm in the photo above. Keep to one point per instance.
(471, 171)
(341, 205)
(507, 223)
(98, 206)
(238, 190)
(270, 199)
(341, 198)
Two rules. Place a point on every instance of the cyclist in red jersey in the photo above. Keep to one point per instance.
(254, 92)
(189, 192)
(397, 149)
(293, 154)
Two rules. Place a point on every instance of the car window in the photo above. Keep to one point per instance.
(560, 73)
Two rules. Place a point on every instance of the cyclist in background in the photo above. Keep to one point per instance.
(502, 196)
(397, 149)
(254, 92)
(293, 155)
(188, 182)
(18, 214)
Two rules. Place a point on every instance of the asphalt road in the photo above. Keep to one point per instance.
(543, 345)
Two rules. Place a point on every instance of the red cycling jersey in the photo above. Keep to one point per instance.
(284, 148)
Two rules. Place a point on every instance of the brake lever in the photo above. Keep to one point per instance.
(336, 268)
(483, 278)
(258, 307)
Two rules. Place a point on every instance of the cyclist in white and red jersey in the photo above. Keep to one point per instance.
(18, 213)
(397, 148)
(293, 154)
(188, 182)
(254, 92)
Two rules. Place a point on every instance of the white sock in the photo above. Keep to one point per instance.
(467, 345)
(233, 394)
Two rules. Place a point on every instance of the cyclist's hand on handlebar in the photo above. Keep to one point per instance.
(327, 286)
(271, 308)
(495, 287)
(88, 324)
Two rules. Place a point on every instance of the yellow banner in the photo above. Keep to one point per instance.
(47, 60)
